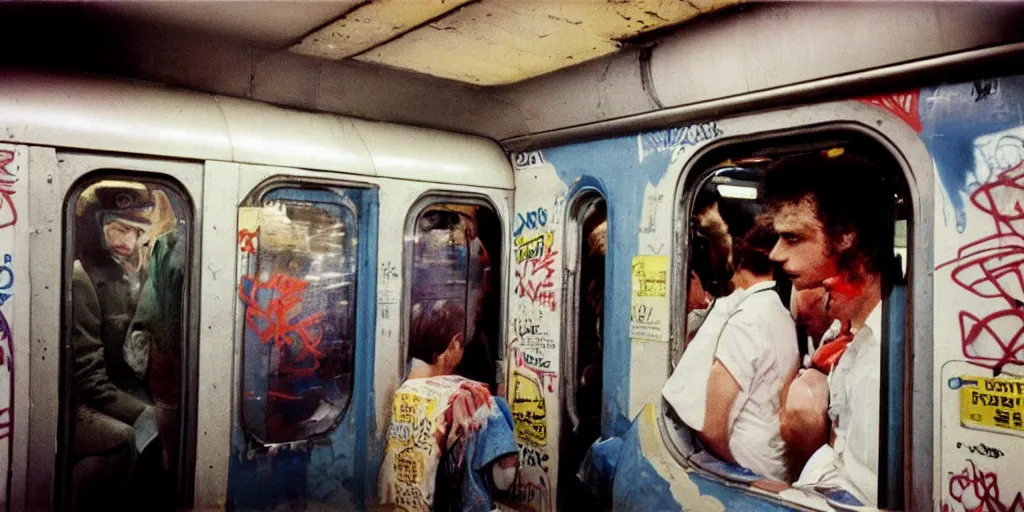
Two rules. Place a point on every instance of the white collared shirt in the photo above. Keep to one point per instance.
(853, 406)
(759, 348)
(852, 463)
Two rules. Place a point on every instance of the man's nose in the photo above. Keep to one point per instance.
(776, 254)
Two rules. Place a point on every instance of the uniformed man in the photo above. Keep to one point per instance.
(110, 218)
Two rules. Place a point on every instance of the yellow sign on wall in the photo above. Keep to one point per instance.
(649, 315)
(991, 404)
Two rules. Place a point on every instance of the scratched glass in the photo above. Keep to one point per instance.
(300, 318)
(453, 247)
(127, 244)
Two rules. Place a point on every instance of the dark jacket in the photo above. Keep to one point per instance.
(159, 316)
(103, 305)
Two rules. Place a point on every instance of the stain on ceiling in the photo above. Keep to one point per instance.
(480, 42)
(492, 42)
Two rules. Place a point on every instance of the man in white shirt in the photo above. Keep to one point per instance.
(753, 339)
(831, 214)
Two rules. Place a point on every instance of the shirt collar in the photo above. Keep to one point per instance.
(757, 287)
(874, 320)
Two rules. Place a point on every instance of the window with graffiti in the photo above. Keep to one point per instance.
(300, 251)
(127, 247)
(453, 255)
(790, 346)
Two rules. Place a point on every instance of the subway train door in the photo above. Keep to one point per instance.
(115, 399)
(582, 354)
(306, 296)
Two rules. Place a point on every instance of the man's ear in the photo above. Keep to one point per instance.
(845, 241)
(459, 338)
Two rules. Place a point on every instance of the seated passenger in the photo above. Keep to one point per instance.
(450, 443)
(747, 349)
(110, 406)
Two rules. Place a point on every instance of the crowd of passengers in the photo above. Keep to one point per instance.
(740, 384)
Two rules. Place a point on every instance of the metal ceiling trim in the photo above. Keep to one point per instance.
(971, 62)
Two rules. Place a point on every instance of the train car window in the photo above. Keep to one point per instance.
(453, 250)
(299, 294)
(127, 248)
(583, 351)
(793, 276)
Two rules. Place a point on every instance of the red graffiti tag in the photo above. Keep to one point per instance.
(547, 377)
(245, 239)
(992, 267)
(530, 496)
(534, 280)
(978, 491)
(903, 104)
(8, 213)
(277, 321)
(6, 157)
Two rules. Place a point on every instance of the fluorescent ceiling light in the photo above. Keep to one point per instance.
(737, 192)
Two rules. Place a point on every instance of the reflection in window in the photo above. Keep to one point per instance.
(300, 324)
(128, 243)
(454, 250)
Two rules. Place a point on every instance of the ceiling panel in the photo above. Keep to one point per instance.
(371, 24)
(495, 42)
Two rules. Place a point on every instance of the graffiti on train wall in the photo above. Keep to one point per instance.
(903, 104)
(12, 160)
(247, 240)
(975, 133)
(535, 495)
(981, 449)
(989, 267)
(534, 329)
(8, 178)
(975, 489)
(270, 312)
(533, 219)
(676, 140)
(535, 271)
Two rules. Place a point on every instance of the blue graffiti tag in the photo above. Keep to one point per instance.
(532, 220)
(6, 283)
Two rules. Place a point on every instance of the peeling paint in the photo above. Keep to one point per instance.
(495, 42)
(371, 24)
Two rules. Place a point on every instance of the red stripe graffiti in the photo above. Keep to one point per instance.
(991, 267)
(978, 491)
(277, 322)
(8, 213)
(245, 240)
(534, 280)
(903, 104)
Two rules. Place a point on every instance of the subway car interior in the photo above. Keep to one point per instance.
(527, 255)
